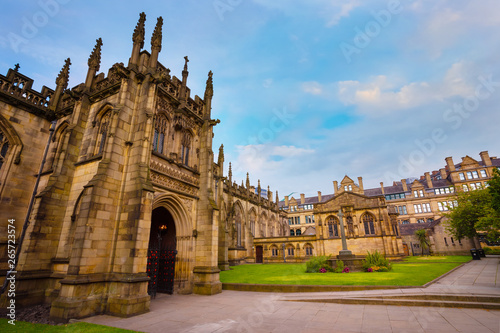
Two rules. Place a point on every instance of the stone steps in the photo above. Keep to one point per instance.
(430, 300)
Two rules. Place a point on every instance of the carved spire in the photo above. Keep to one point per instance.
(63, 77)
(95, 57)
(230, 173)
(156, 38)
(139, 32)
(277, 197)
(248, 181)
(185, 72)
(259, 189)
(209, 90)
(220, 159)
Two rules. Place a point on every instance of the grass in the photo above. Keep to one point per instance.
(440, 259)
(414, 272)
(22, 326)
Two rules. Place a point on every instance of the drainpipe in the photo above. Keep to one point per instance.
(30, 207)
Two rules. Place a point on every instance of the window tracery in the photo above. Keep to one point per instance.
(4, 148)
(369, 224)
(185, 147)
(102, 134)
(160, 134)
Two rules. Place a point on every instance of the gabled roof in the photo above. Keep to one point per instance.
(409, 229)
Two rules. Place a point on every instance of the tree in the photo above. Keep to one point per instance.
(422, 239)
(477, 210)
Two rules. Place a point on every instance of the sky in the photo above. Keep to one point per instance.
(307, 91)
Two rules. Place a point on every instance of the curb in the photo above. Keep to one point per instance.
(288, 288)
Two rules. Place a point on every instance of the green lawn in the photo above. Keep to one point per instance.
(434, 259)
(414, 272)
(22, 326)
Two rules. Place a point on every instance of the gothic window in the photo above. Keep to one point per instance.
(333, 227)
(309, 250)
(185, 148)
(274, 251)
(292, 232)
(102, 134)
(161, 130)
(290, 251)
(298, 232)
(369, 225)
(4, 148)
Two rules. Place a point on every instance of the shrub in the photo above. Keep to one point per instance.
(340, 267)
(318, 264)
(376, 262)
(489, 250)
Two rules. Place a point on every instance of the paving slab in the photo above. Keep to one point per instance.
(253, 312)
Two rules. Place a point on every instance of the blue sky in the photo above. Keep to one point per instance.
(307, 91)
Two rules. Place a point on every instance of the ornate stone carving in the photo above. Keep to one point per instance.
(188, 203)
(156, 38)
(95, 57)
(62, 78)
(139, 32)
(176, 174)
(165, 106)
(182, 122)
(173, 184)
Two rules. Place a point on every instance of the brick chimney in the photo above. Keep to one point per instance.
(319, 196)
(450, 164)
(485, 157)
(428, 179)
(360, 181)
(335, 187)
(302, 199)
(286, 200)
(405, 187)
(443, 173)
(382, 187)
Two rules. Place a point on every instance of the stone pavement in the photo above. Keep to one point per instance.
(236, 311)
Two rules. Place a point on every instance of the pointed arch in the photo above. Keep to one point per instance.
(11, 147)
(368, 220)
(239, 224)
(56, 145)
(252, 218)
(161, 133)
(333, 226)
(175, 206)
(102, 124)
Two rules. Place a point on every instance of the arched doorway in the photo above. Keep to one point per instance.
(161, 252)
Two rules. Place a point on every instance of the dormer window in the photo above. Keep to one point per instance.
(348, 188)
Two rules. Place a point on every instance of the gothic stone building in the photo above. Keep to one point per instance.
(406, 205)
(370, 224)
(129, 201)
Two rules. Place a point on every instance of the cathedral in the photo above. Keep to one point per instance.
(110, 193)
(113, 191)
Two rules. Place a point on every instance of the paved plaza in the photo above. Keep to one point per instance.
(235, 311)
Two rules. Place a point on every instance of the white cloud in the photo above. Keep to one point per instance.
(312, 87)
(381, 95)
(265, 159)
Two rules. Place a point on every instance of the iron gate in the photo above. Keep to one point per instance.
(161, 271)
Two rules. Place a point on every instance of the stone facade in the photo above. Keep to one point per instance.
(129, 166)
(369, 225)
(413, 201)
(440, 240)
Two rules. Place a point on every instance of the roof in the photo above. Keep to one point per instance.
(409, 229)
